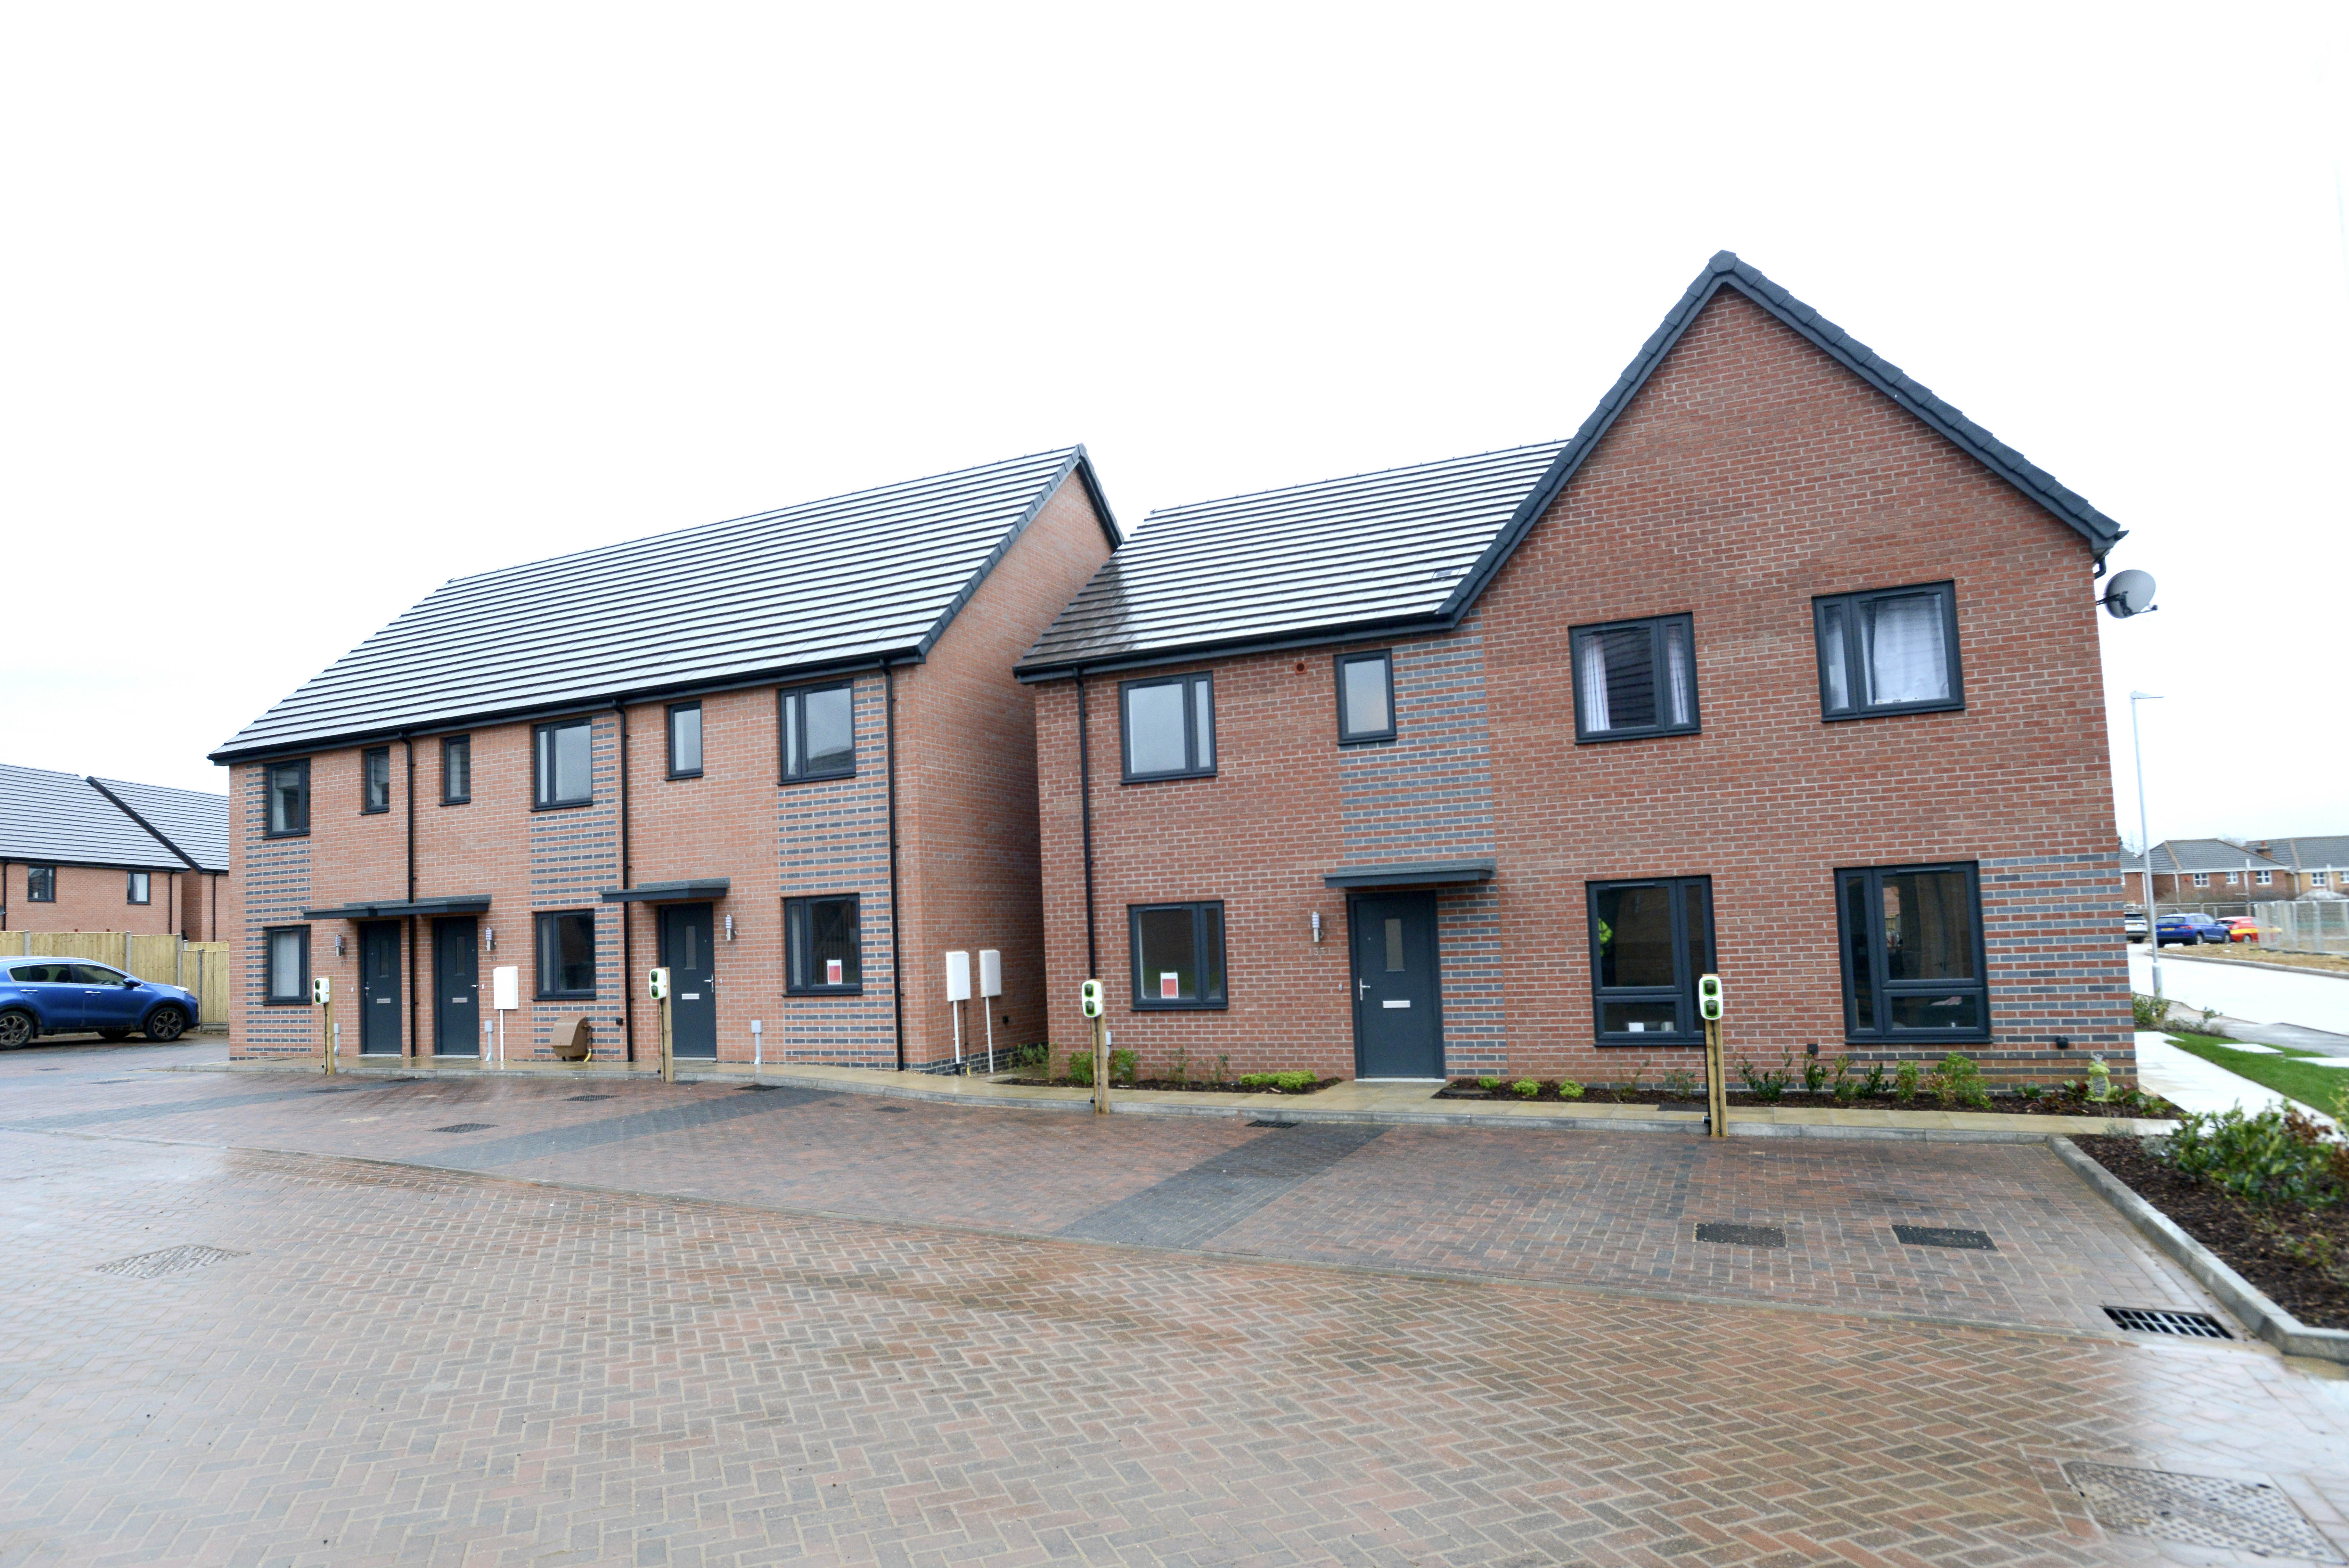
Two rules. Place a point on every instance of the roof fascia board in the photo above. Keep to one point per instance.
(1194, 654)
(1077, 463)
(154, 832)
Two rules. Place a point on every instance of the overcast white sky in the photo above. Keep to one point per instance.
(304, 309)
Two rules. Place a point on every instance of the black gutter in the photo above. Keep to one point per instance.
(415, 1023)
(896, 914)
(160, 835)
(628, 949)
(1086, 798)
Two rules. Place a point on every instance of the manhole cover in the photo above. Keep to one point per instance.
(2160, 1320)
(1935, 1236)
(582, 1099)
(466, 1127)
(890, 1110)
(1260, 1122)
(170, 1261)
(1742, 1235)
(2200, 1511)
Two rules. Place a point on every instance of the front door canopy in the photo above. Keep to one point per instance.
(700, 890)
(1410, 874)
(389, 908)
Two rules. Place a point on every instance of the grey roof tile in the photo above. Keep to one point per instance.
(190, 821)
(2172, 856)
(45, 816)
(851, 577)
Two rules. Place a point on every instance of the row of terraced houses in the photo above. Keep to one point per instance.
(1779, 667)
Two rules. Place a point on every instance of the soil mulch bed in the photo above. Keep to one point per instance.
(1193, 1086)
(2046, 1104)
(2252, 1239)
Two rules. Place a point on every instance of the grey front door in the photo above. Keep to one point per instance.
(456, 989)
(1397, 997)
(691, 963)
(379, 989)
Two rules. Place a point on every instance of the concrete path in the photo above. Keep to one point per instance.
(2308, 998)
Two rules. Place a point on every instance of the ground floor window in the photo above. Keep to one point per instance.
(289, 964)
(566, 954)
(1178, 955)
(2201, 878)
(1913, 953)
(826, 949)
(1648, 941)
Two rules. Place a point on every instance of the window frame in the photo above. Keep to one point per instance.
(2320, 879)
(450, 743)
(1886, 989)
(542, 972)
(2201, 878)
(1690, 1030)
(1654, 625)
(367, 761)
(668, 736)
(796, 914)
(270, 997)
(2264, 879)
(1853, 667)
(32, 893)
(1190, 680)
(542, 768)
(791, 732)
(269, 772)
(1346, 737)
(138, 887)
(1198, 908)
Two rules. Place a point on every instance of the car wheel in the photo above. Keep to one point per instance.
(114, 1034)
(15, 1029)
(165, 1024)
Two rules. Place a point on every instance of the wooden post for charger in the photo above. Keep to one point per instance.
(667, 1044)
(1716, 1083)
(326, 1045)
(1100, 1066)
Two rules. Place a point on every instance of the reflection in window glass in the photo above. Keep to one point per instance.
(1155, 741)
(1178, 955)
(41, 884)
(287, 982)
(1649, 941)
(1912, 951)
(826, 950)
(566, 954)
(457, 770)
(289, 797)
(819, 732)
(563, 764)
(1365, 697)
(685, 739)
(376, 762)
(1394, 947)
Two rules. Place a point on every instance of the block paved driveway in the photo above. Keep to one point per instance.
(821, 1328)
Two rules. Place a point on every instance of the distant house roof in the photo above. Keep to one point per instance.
(190, 821)
(48, 816)
(1345, 558)
(875, 574)
(2174, 855)
(2321, 854)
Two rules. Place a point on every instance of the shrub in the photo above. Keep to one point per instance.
(1527, 1088)
(1181, 1066)
(1873, 1084)
(1904, 1082)
(2027, 1091)
(2275, 1156)
(1033, 1059)
(1080, 1068)
(1489, 1084)
(1680, 1084)
(1256, 1080)
(1567, 1089)
(1292, 1083)
(1957, 1082)
(1768, 1085)
(1815, 1075)
(1124, 1067)
(2152, 1012)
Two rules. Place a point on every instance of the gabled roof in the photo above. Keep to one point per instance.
(192, 824)
(873, 574)
(2173, 855)
(2319, 854)
(48, 816)
(1311, 560)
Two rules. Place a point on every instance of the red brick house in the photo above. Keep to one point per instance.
(783, 755)
(1779, 667)
(105, 854)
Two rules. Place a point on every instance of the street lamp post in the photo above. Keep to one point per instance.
(2144, 837)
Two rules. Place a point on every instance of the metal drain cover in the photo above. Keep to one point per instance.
(466, 1127)
(1260, 1122)
(2200, 1511)
(170, 1261)
(581, 1099)
(2162, 1320)
(1935, 1236)
(890, 1110)
(1742, 1235)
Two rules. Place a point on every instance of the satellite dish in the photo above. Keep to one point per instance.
(2129, 593)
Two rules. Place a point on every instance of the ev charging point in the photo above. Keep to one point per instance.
(330, 1039)
(1089, 1000)
(1717, 1077)
(656, 985)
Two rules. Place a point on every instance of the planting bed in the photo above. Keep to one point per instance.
(2051, 1103)
(1194, 1086)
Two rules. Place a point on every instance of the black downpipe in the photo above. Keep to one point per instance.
(896, 975)
(415, 1023)
(1085, 795)
(627, 960)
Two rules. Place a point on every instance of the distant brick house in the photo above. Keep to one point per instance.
(81, 854)
(1779, 667)
(2317, 865)
(2208, 871)
(783, 755)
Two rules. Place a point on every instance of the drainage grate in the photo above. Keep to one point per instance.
(891, 1110)
(582, 1099)
(2161, 1320)
(1260, 1122)
(466, 1127)
(1742, 1235)
(757, 1088)
(1935, 1236)
(2199, 1511)
(170, 1261)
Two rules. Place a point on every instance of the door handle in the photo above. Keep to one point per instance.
(1363, 989)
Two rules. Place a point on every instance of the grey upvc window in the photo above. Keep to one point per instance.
(826, 949)
(1365, 697)
(289, 800)
(1890, 650)
(40, 884)
(456, 769)
(818, 732)
(1650, 939)
(1178, 956)
(1633, 678)
(140, 889)
(1169, 726)
(1913, 953)
(286, 952)
(563, 770)
(375, 775)
(684, 739)
(566, 954)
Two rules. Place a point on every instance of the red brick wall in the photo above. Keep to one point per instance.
(1751, 473)
(92, 899)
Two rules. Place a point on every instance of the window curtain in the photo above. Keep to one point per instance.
(1906, 659)
(1593, 657)
(1676, 669)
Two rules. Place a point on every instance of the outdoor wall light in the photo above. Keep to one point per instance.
(338, 944)
(729, 928)
(492, 932)
(1316, 927)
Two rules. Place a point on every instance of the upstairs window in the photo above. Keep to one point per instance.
(1894, 651)
(139, 889)
(288, 948)
(1913, 953)
(1178, 956)
(826, 953)
(566, 954)
(289, 799)
(40, 884)
(684, 739)
(819, 738)
(456, 769)
(1634, 679)
(563, 765)
(1170, 727)
(375, 775)
(1649, 942)
(1365, 697)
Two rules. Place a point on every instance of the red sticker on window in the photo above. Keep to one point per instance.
(1170, 985)
(832, 971)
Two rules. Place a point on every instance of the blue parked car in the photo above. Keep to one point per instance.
(67, 996)
(2191, 929)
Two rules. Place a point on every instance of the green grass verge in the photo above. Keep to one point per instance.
(2315, 1087)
